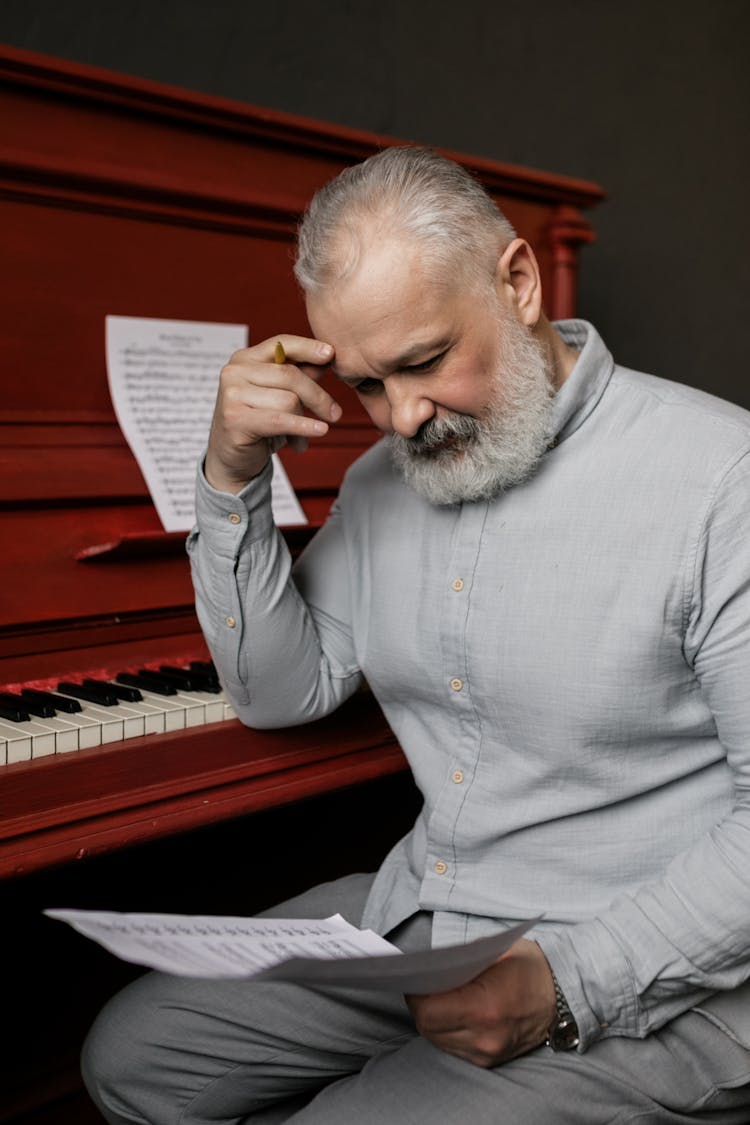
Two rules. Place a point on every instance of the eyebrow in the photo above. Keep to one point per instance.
(426, 349)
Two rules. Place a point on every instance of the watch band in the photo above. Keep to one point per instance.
(563, 1031)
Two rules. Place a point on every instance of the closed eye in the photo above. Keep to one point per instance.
(367, 386)
(373, 386)
(427, 364)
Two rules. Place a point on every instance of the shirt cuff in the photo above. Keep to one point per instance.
(228, 519)
(601, 1008)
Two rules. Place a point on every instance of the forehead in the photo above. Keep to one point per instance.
(390, 303)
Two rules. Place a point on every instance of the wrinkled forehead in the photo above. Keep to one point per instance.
(389, 302)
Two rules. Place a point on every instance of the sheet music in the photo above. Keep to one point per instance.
(163, 378)
(329, 950)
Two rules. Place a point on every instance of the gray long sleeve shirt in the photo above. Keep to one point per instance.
(566, 669)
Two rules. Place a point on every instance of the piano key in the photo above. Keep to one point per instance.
(97, 695)
(190, 680)
(191, 708)
(16, 742)
(110, 724)
(195, 709)
(59, 702)
(131, 723)
(89, 730)
(121, 691)
(153, 715)
(208, 672)
(174, 713)
(32, 706)
(145, 682)
(66, 734)
(132, 719)
(214, 708)
(30, 740)
(13, 713)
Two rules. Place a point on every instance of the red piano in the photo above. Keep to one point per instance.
(126, 197)
(121, 196)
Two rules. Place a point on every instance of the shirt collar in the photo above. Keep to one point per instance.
(586, 383)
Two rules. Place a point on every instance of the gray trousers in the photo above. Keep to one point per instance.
(174, 1051)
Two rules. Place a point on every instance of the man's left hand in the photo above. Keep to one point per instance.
(504, 1012)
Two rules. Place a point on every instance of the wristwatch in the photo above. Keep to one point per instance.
(563, 1031)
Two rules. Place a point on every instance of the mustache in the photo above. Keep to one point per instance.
(457, 430)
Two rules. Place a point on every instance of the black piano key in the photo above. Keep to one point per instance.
(43, 710)
(98, 694)
(128, 694)
(146, 683)
(206, 666)
(58, 702)
(13, 714)
(182, 679)
(206, 669)
(190, 680)
(163, 680)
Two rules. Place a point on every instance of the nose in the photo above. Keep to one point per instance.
(410, 408)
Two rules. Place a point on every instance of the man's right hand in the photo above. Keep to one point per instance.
(261, 404)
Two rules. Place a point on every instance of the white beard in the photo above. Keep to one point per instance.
(459, 458)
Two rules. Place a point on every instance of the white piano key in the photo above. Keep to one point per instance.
(66, 734)
(195, 711)
(214, 707)
(153, 717)
(174, 713)
(110, 724)
(133, 725)
(229, 711)
(26, 741)
(89, 730)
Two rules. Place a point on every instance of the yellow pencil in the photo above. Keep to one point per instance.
(279, 355)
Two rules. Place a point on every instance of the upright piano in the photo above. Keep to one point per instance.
(122, 196)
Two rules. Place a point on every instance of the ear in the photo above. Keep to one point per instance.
(518, 281)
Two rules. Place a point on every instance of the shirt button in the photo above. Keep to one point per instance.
(235, 518)
(457, 776)
(457, 584)
(230, 621)
(440, 867)
(457, 684)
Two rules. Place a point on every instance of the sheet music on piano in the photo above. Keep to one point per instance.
(163, 379)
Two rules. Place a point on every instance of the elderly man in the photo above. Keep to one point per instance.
(543, 574)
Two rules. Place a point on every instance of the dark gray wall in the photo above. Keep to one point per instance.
(649, 99)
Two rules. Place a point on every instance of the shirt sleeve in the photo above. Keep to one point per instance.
(280, 660)
(654, 954)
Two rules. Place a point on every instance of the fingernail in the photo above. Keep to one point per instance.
(325, 350)
(320, 427)
(335, 412)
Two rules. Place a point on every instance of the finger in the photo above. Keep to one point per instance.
(279, 423)
(297, 349)
(242, 382)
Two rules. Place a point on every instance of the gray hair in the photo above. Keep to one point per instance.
(411, 192)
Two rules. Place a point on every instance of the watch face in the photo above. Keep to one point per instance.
(563, 1035)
